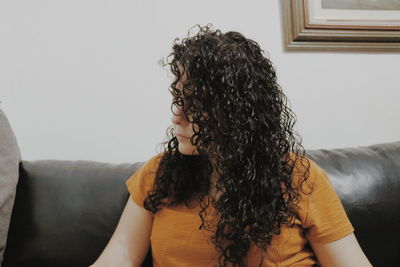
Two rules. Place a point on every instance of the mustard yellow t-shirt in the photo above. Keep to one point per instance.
(176, 240)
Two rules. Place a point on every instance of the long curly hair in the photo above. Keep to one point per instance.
(245, 134)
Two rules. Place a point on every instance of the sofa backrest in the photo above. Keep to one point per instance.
(367, 180)
(66, 211)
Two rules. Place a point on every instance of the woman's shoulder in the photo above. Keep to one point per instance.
(321, 212)
(154, 161)
(305, 170)
(146, 173)
(143, 179)
(150, 166)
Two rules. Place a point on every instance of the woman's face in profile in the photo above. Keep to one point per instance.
(182, 126)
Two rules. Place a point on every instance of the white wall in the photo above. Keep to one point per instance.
(81, 80)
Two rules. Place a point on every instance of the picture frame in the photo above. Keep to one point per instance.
(319, 25)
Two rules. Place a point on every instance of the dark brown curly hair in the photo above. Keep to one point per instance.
(245, 133)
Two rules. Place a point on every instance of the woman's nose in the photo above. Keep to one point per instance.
(178, 117)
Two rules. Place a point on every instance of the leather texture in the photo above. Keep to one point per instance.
(66, 211)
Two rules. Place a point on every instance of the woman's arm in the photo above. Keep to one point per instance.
(130, 242)
(345, 252)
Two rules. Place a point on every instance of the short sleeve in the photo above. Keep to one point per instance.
(142, 181)
(324, 217)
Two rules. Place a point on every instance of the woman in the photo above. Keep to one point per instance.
(232, 186)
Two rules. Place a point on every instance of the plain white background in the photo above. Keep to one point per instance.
(81, 79)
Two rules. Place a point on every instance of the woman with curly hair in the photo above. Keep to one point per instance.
(232, 186)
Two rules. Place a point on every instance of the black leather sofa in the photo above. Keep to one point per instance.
(66, 211)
